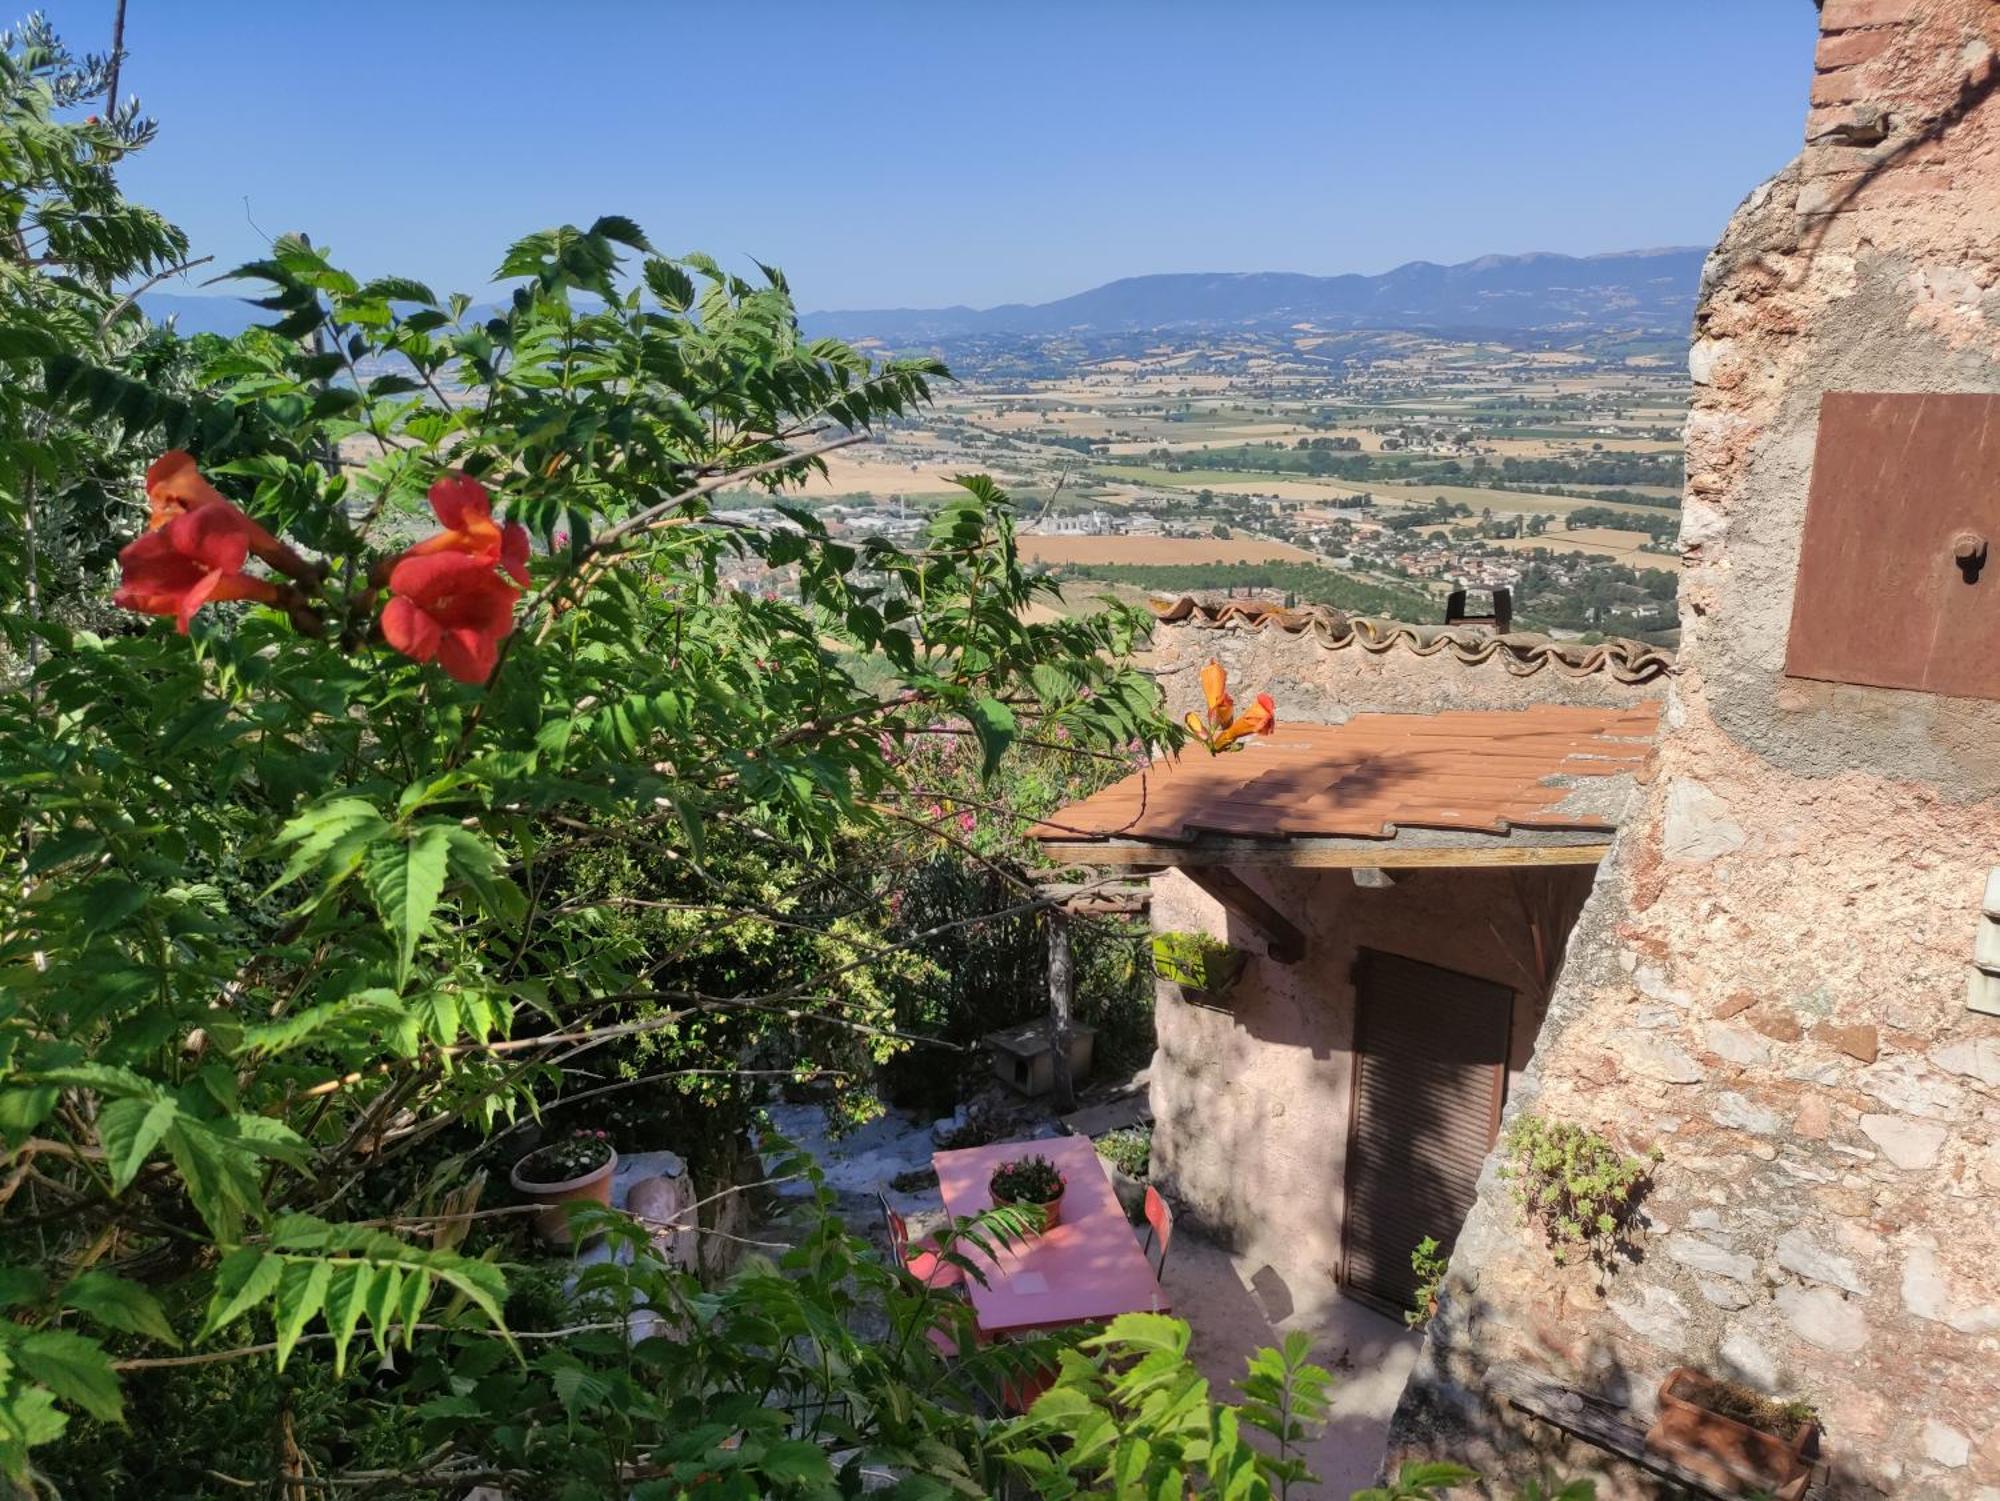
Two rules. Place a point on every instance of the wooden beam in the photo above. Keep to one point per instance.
(1296, 856)
(1282, 939)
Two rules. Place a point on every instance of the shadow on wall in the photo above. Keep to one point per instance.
(1457, 1407)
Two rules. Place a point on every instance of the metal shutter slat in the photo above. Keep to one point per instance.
(1431, 1057)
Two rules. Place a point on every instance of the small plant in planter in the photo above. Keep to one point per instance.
(1030, 1181)
(1128, 1152)
(575, 1169)
(1202, 966)
(1129, 1149)
(1735, 1437)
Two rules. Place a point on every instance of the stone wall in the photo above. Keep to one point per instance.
(1251, 1103)
(1769, 980)
(1323, 669)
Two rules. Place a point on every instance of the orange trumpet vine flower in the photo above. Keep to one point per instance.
(175, 488)
(466, 510)
(197, 556)
(1223, 726)
(451, 608)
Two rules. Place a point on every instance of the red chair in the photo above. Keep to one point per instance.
(927, 1266)
(1159, 1229)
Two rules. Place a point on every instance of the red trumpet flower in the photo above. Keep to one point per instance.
(465, 509)
(452, 608)
(174, 487)
(195, 557)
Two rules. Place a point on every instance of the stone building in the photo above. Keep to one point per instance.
(1771, 981)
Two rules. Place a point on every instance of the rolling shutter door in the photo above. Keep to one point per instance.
(1430, 1060)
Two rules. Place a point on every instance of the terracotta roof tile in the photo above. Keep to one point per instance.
(1520, 652)
(1486, 772)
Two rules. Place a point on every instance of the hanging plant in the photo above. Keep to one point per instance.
(1206, 966)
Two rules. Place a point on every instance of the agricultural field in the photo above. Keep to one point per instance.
(1598, 541)
(1405, 464)
(1159, 550)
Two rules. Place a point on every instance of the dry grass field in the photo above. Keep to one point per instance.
(1181, 550)
(875, 473)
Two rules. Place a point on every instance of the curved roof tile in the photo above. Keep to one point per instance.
(1520, 652)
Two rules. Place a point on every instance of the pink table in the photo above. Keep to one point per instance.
(1088, 1269)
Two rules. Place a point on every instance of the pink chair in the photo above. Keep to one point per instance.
(1159, 1229)
(927, 1267)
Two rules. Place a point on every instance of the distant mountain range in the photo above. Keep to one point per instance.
(1640, 290)
(1650, 291)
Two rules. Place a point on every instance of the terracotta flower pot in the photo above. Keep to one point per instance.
(552, 1224)
(1724, 1450)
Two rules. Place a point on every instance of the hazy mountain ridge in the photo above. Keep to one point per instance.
(1641, 290)
(1652, 290)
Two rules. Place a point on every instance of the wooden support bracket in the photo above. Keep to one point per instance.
(1283, 941)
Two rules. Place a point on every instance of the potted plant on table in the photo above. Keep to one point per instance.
(1030, 1181)
(575, 1169)
(1733, 1436)
(1205, 968)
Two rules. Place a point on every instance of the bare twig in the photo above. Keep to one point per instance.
(117, 308)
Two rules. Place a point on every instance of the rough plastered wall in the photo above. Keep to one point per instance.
(1317, 684)
(1250, 1104)
(1769, 981)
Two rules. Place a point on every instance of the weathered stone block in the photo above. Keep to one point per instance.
(1655, 1314)
(1846, 15)
(1737, 1044)
(1910, 1085)
(1742, 1114)
(1945, 1445)
(1845, 49)
(1749, 1359)
(1821, 1316)
(1704, 1256)
(1840, 86)
(1859, 1040)
(1799, 1253)
(1698, 825)
(1974, 1058)
(1656, 1058)
(1909, 1144)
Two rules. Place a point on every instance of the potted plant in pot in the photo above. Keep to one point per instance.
(576, 1168)
(1030, 1181)
(1205, 968)
(1128, 1156)
(1735, 1437)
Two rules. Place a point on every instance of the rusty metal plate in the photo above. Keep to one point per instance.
(1895, 586)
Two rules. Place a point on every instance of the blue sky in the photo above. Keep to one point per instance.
(974, 151)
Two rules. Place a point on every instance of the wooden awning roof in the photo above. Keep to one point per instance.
(1382, 789)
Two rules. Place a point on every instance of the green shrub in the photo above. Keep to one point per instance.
(1581, 1190)
(1429, 1264)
